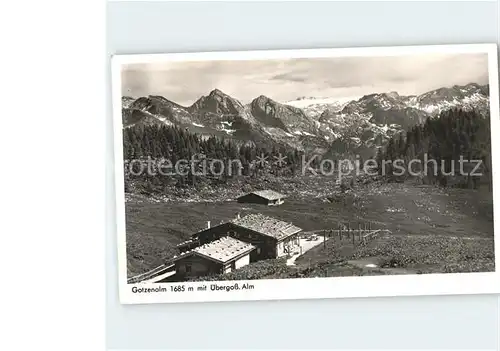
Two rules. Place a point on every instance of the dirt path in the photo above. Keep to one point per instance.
(305, 246)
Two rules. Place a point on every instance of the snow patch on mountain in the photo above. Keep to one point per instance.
(305, 102)
(225, 128)
(127, 101)
(356, 140)
(468, 101)
(315, 106)
(161, 118)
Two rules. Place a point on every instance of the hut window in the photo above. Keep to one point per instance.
(188, 267)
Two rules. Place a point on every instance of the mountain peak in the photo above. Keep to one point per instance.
(161, 99)
(262, 99)
(217, 102)
(274, 114)
(475, 85)
(368, 96)
(217, 92)
(127, 101)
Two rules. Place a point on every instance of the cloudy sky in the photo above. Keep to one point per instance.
(285, 80)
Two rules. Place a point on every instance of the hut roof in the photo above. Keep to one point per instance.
(267, 194)
(268, 226)
(222, 250)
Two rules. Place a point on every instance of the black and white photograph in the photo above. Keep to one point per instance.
(306, 173)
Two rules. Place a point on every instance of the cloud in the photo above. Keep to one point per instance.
(284, 80)
(293, 77)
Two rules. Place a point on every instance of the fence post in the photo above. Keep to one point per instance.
(340, 232)
(354, 236)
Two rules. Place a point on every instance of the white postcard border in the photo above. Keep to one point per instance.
(305, 288)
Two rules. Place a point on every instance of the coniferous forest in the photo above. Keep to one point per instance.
(174, 144)
(455, 135)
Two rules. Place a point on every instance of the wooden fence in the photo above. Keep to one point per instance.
(357, 233)
(155, 272)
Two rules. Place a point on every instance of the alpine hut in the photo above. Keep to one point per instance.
(263, 197)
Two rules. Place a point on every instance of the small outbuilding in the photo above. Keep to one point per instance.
(264, 197)
(217, 257)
